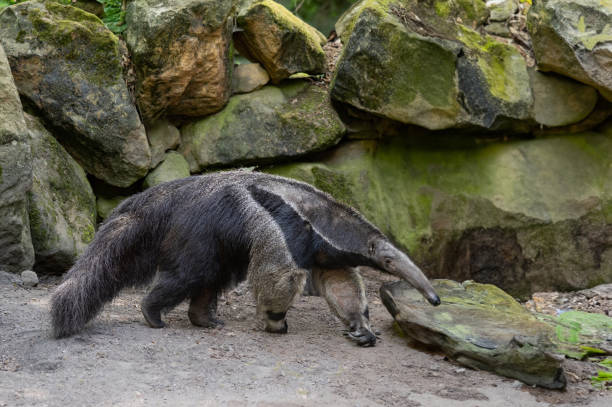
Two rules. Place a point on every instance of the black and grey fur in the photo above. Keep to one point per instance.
(197, 236)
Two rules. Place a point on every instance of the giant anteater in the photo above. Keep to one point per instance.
(197, 236)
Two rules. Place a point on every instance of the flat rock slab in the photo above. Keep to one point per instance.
(479, 326)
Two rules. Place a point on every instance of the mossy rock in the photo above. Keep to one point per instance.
(415, 64)
(16, 251)
(280, 41)
(268, 125)
(62, 206)
(479, 326)
(181, 54)
(573, 38)
(174, 166)
(67, 65)
(512, 214)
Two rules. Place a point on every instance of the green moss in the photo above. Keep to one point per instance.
(590, 41)
(80, 37)
(288, 21)
(474, 9)
(442, 8)
(503, 67)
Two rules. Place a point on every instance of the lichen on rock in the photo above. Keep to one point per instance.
(67, 65)
(270, 124)
(280, 41)
(479, 326)
(428, 66)
(574, 38)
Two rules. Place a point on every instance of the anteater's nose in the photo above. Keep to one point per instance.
(434, 300)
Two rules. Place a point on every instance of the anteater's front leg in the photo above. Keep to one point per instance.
(345, 293)
(275, 291)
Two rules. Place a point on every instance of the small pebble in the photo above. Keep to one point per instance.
(29, 278)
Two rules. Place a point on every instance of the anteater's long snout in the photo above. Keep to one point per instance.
(413, 274)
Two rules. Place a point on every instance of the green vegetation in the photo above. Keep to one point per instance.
(603, 380)
(114, 16)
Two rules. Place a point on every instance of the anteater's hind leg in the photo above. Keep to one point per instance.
(166, 294)
(345, 294)
(203, 309)
(274, 294)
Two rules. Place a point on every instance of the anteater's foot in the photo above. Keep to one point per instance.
(153, 318)
(205, 321)
(362, 337)
(276, 322)
(278, 327)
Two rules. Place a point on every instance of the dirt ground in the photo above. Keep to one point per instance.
(117, 360)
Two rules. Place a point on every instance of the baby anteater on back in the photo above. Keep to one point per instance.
(197, 236)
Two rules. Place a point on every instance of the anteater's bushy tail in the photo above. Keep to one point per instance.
(122, 254)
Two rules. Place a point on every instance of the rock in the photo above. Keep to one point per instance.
(8, 278)
(62, 206)
(479, 326)
(498, 28)
(249, 77)
(560, 101)
(416, 65)
(280, 41)
(16, 252)
(91, 6)
(602, 290)
(163, 136)
(579, 334)
(173, 167)
(105, 205)
(29, 278)
(270, 124)
(574, 38)
(501, 10)
(180, 50)
(527, 216)
(67, 65)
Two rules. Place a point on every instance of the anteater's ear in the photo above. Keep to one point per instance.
(372, 247)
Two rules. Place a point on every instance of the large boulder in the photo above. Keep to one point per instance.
(479, 326)
(67, 65)
(16, 251)
(271, 35)
(427, 66)
(61, 203)
(533, 215)
(181, 52)
(270, 124)
(574, 38)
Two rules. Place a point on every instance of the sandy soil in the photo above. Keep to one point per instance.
(120, 361)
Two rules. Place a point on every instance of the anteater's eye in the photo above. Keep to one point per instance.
(372, 248)
(388, 262)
